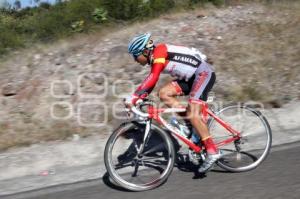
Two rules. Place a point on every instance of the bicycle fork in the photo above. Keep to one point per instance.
(147, 131)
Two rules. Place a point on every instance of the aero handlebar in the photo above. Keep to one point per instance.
(138, 112)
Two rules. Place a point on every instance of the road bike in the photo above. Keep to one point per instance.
(140, 154)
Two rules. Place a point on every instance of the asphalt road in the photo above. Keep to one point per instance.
(278, 177)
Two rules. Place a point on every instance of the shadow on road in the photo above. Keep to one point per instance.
(109, 182)
(153, 149)
(181, 163)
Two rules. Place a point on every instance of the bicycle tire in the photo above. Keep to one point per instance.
(249, 152)
(136, 131)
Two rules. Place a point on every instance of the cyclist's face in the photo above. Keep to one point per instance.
(141, 59)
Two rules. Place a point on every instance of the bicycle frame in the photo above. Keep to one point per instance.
(155, 113)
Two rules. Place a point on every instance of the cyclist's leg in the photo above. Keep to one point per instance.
(170, 91)
(203, 83)
(194, 114)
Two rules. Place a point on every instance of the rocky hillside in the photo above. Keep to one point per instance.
(73, 87)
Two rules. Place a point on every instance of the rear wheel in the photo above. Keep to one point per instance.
(139, 171)
(255, 142)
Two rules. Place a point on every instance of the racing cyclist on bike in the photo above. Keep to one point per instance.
(195, 78)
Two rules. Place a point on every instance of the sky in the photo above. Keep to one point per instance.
(25, 3)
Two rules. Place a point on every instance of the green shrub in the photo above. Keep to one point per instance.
(99, 15)
(215, 2)
(161, 6)
(77, 26)
(9, 40)
(48, 22)
(79, 10)
(134, 9)
(218, 2)
(123, 9)
(50, 25)
(9, 36)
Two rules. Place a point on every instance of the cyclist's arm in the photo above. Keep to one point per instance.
(158, 65)
(149, 83)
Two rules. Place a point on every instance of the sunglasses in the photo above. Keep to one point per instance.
(135, 56)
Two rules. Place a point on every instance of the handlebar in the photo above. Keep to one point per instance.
(135, 110)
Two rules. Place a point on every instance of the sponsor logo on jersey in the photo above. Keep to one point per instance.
(186, 59)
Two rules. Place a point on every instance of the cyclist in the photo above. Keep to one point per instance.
(195, 78)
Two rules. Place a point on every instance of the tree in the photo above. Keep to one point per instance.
(4, 4)
(17, 5)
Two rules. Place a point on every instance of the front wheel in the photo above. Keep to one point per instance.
(254, 145)
(134, 169)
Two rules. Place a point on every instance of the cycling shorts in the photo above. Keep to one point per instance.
(198, 86)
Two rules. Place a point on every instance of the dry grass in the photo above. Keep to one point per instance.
(260, 60)
(264, 56)
(36, 132)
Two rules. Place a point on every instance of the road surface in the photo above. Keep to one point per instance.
(278, 177)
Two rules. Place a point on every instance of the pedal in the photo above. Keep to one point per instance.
(194, 157)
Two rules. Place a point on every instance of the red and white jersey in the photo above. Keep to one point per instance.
(179, 61)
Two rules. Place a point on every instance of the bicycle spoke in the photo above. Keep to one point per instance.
(150, 158)
(154, 149)
(120, 166)
(252, 148)
(144, 170)
(136, 167)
